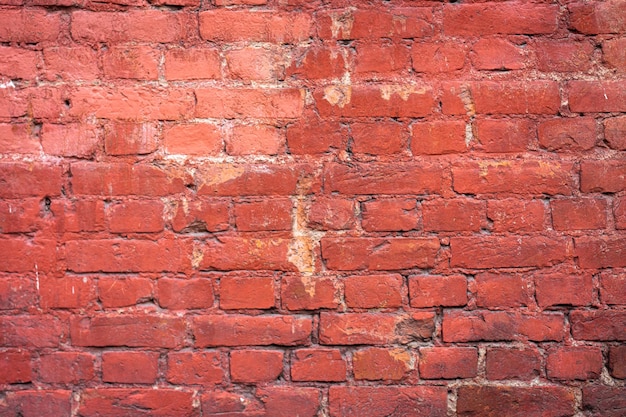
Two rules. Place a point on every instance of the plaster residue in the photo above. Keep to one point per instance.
(220, 174)
(468, 103)
(404, 91)
(338, 95)
(197, 255)
(485, 165)
(341, 22)
(401, 355)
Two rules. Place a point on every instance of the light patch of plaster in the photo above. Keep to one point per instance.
(468, 103)
(403, 91)
(485, 165)
(401, 355)
(341, 22)
(338, 95)
(220, 174)
(197, 255)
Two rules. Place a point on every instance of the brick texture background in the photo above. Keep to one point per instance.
(312, 208)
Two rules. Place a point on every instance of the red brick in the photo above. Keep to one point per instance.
(438, 57)
(118, 179)
(17, 292)
(80, 215)
(433, 291)
(513, 215)
(236, 403)
(192, 64)
(507, 252)
(563, 56)
(259, 64)
(536, 97)
(502, 326)
(592, 18)
(159, 402)
(504, 135)
(15, 366)
(117, 292)
(229, 103)
(373, 291)
(375, 59)
(33, 179)
(319, 62)
(318, 365)
(603, 401)
(233, 253)
(436, 138)
(453, 215)
(200, 215)
(31, 331)
(22, 255)
(381, 401)
(396, 23)
(132, 62)
(448, 362)
(374, 364)
(517, 177)
(131, 103)
(501, 18)
(501, 291)
(17, 63)
(78, 140)
(193, 139)
(383, 178)
(553, 289)
(378, 254)
(615, 132)
(225, 330)
(255, 365)
(330, 213)
(70, 63)
(21, 216)
(605, 176)
(185, 294)
(598, 325)
(130, 367)
(619, 211)
(600, 252)
(135, 216)
(67, 367)
(254, 26)
(129, 138)
(121, 255)
(612, 286)
(13, 103)
(572, 134)
(617, 361)
(390, 215)
(492, 401)
(374, 328)
(18, 138)
(202, 368)
(380, 138)
(614, 53)
(512, 363)
(579, 214)
(497, 54)
(246, 292)
(309, 293)
(130, 330)
(290, 401)
(569, 363)
(129, 26)
(37, 403)
(310, 135)
(29, 26)
(67, 292)
(257, 139)
(397, 100)
(597, 96)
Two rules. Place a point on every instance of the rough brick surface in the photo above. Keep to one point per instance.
(279, 208)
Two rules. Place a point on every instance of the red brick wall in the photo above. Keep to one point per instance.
(312, 208)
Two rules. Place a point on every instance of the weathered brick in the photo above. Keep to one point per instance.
(448, 362)
(498, 291)
(246, 292)
(512, 363)
(600, 252)
(66, 292)
(380, 138)
(390, 215)
(433, 291)
(373, 291)
(330, 213)
(15, 366)
(130, 367)
(597, 96)
(612, 286)
(614, 53)
(605, 176)
(375, 364)
(593, 18)
(503, 135)
(29, 25)
(604, 401)
(135, 216)
(285, 103)
(564, 56)
(497, 54)
(309, 293)
(615, 132)
(33, 403)
(194, 368)
(255, 365)
(124, 291)
(617, 361)
(598, 325)
(554, 289)
(513, 215)
(436, 138)
(67, 367)
(569, 363)
(502, 326)
(380, 59)
(33, 179)
(255, 64)
(17, 292)
(323, 365)
(31, 331)
(130, 138)
(374, 328)
(192, 64)
(160, 402)
(453, 215)
(438, 57)
(571, 134)
(224, 330)
(131, 62)
(185, 294)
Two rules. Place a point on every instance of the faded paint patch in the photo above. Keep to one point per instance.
(338, 95)
(341, 22)
(403, 91)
